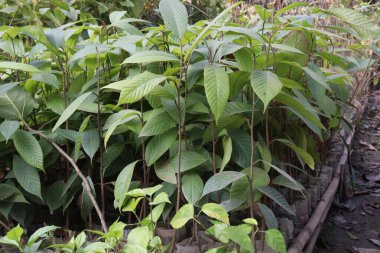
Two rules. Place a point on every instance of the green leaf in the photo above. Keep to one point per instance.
(289, 7)
(182, 216)
(221, 180)
(158, 145)
(286, 48)
(161, 197)
(166, 172)
(266, 85)
(189, 160)
(122, 183)
(71, 109)
(217, 89)
(6, 87)
(175, 16)
(305, 157)
(135, 88)
(40, 233)
(53, 195)
(16, 104)
(10, 192)
(18, 66)
(251, 221)
(283, 181)
(192, 187)
(227, 147)
(27, 176)
(157, 125)
(151, 56)
(216, 211)
(78, 140)
(239, 235)
(275, 240)
(270, 218)
(46, 77)
(91, 142)
(276, 197)
(139, 237)
(14, 235)
(8, 128)
(29, 148)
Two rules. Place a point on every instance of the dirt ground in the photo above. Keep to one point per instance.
(353, 224)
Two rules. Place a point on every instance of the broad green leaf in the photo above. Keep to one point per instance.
(78, 140)
(29, 148)
(245, 59)
(122, 183)
(284, 181)
(239, 235)
(275, 240)
(241, 148)
(27, 176)
(192, 187)
(216, 211)
(40, 233)
(166, 171)
(158, 145)
(266, 85)
(286, 48)
(251, 221)
(236, 108)
(139, 237)
(80, 239)
(276, 197)
(175, 16)
(303, 154)
(270, 218)
(15, 233)
(6, 87)
(16, 104)
(189, 160)
(317, 78)
(161, 197)
(46, 77)
(18, 66)
(91, 142)
(182, 216)
(221, 180)
(157, 125)
(151, 56)
(71, 109)
(53, 195)
(133, 89)
(10, 192)
(227, 148)
(8, 128)
(217, 89)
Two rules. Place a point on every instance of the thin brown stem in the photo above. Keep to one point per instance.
(77, 170)
(102, 196)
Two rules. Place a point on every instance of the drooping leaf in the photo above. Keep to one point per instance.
(91, 142)
(71, 109)
(266, 85)
(217, 89)
(133, 89)
(53, 195)
(276, 197)
(175, 16)
(151, 56)
(78, 140)
(239, 235)
(8, 128)
(6, 87)
(270, 218)
(122, 183)
(18, 66)
(157, 125)
(227, 148)
(182, 216)
(275, 240)
(8, 191)
(303, 154)
(216, 211)
(221, 180)
(158, 145)
(192, 187)
(29, 148)
(27, 176)
(16, 104)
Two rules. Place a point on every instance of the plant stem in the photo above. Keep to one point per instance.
(103, 203)
(78, 171)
